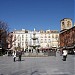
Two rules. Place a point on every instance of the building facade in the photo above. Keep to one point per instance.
(45, 39)
(68, 39)
(67, 35)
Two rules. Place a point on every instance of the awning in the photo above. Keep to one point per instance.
(45, 48)
(67, 47)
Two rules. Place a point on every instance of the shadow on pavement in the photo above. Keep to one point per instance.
(19, 60)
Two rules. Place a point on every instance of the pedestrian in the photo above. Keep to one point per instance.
(65, 54)
(19, 54)
(14, 56)
(61, 52)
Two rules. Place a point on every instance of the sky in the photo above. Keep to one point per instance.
(38, 14)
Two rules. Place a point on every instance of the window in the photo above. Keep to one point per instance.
(56, 36)
(68, 24)
(49, 41)
(45, 41)
(62, 23)
(15, 37)
(45, 36)
(22, 39)
(22, 36)
(48, 36)
(52, 36)
(41, 36)
(41, 40)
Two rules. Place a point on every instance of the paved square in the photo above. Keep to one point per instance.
(37, 65)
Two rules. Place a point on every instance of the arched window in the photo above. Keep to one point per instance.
(68, 24)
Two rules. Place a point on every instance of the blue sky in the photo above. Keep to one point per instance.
(38, 14)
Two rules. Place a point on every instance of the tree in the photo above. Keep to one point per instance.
(3, 35)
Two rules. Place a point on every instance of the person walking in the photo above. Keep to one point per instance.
(14, 56)
(20, 54)
(65, 54)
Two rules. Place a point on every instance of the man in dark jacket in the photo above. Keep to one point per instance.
(20, 54)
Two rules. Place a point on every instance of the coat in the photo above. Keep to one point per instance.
(64, 52)
(14, 54)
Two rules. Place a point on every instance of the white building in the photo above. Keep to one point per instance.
(46, 39)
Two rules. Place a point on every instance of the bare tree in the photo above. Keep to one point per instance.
(4, 26)
(3, 35)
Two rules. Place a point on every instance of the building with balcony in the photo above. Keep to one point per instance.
(46, 39)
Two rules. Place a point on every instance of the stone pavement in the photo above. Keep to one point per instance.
(38, 65)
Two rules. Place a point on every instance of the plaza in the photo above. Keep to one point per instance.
(52, 65)
(39, 31)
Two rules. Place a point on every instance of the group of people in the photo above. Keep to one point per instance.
(19, 54)
(15, 54)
